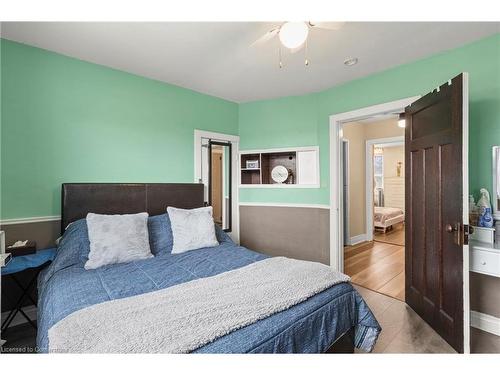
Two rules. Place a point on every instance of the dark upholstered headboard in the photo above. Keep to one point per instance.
(77, 200)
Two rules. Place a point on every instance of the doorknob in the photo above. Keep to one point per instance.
(462, 232)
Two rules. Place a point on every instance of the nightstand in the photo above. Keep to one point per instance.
(28, 249)
(36, 261)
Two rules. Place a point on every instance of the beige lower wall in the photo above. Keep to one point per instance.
(295, 232)
(43, 233)
(303, 233)
(485, 294)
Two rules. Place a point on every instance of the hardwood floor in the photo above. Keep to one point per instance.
(396, 236)
(377, 266)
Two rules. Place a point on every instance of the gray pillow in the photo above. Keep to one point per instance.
(192, 229)
(117, 239)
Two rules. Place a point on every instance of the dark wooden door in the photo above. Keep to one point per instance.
(436, 216)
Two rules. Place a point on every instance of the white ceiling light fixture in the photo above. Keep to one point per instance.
(293, 34)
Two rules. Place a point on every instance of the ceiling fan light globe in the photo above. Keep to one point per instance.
(293, 34)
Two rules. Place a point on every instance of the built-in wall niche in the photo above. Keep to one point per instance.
(283, 167)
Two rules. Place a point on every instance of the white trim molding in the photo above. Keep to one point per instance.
(29, 220)
(336, 179)
(485, 322)
(465, 209)
(496, 175)
(280, 149)
(358, 239)
(198, 135)
(234, 139)
(292, 205)
(278, 186)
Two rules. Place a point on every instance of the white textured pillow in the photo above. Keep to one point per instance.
(192, 229)
(117, 239)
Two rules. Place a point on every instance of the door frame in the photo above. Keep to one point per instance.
(369, 179)
(336, 180)
(346, 217)
(465, 209)
(223, 173)
(234, 140)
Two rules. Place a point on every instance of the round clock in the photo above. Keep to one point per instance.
(279, 174)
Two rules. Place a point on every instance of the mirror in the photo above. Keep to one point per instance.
(219, 182)
(495, 196)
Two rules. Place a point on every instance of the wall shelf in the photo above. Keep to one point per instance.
(302, 164)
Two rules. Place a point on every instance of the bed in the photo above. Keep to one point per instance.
(386, 217)
(334, 320)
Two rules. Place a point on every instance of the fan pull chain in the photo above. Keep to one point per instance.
(279, 55)
(306, 62)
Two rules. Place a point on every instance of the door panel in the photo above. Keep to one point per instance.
(435, 216)
(416, 260)
(432, 240)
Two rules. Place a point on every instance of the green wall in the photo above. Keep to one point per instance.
(65, 120)
(304, 120)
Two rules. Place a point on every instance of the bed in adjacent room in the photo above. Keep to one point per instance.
(155, 304)
(385, 217)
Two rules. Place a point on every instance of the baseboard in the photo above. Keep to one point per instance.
(19, 319)
(357, 239)
(485, 322)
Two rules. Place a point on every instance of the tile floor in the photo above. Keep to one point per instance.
(403, 331)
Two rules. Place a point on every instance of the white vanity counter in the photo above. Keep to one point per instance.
(485, 258)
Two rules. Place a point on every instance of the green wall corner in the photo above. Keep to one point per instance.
(66, 120)
(304, 120)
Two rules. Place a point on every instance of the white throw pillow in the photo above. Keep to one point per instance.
(192, 229)
(117, 239)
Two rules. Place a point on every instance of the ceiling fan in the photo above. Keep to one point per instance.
(293, 35)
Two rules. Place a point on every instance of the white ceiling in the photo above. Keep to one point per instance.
(215, 58)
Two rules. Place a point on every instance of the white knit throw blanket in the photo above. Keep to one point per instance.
(187, 316)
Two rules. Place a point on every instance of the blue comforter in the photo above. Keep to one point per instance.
(309, 327)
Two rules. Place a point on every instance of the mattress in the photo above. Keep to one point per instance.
(308, 327)
(383, 214)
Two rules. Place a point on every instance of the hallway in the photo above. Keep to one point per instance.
(377, 266)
